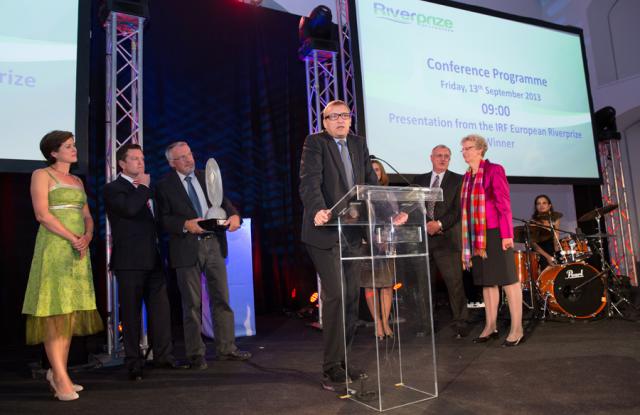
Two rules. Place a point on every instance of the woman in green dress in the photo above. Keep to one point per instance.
(60, 299)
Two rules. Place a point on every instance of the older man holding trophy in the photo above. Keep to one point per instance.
(185, 198)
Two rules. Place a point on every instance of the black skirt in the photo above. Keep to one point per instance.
(498, 268)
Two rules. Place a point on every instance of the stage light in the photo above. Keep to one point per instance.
(317, 32)
(294, 293)
(605, 121)
(313, 298)
(397, 286)
(125, 7)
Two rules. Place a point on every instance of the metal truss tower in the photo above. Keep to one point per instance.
(322, 85)
(346, 60)
(123, 126)
(618, 223)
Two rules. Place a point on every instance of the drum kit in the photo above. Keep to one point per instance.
(568, 286)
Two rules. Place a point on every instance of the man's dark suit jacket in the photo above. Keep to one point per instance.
(323, 181)
(174, 208)
(133, 228)
(447, 212)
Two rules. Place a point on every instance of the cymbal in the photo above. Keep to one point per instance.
(537, 234)
(598, 212)
(600, 235)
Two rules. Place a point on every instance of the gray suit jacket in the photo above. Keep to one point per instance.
(323, 181)
(174, 208)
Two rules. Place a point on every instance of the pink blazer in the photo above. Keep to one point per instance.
(497, 199)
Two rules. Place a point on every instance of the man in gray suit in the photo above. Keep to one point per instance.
(324, 179)
(333, 161)
(182, 203)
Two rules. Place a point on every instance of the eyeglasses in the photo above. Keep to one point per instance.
(334, 116)
(442, 156)
(184, 157)
(467, 148)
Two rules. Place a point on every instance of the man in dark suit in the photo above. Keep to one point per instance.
(182, 203)
(135, 261)
(445, 237)
(333, 161)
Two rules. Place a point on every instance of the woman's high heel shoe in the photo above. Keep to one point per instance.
(388, 333)
(76, 388)
(492, 336)
(379, 334)
(508, 343)
(72, 396)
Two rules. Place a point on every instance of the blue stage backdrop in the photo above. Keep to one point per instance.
(223, 76)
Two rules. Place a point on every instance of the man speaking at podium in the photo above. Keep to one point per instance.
(333, 161)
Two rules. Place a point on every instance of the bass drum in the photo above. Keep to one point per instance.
(558, 285)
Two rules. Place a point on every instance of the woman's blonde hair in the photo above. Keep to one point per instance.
(478, 141)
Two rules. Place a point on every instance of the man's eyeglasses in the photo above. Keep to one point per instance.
(334, 116)
(184, 157)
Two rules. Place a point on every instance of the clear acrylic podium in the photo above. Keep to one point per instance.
(400, 368)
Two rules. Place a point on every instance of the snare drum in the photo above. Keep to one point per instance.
(573, 250)
(571, 289)
(521, 266)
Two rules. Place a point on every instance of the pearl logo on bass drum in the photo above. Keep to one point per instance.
(571, 274)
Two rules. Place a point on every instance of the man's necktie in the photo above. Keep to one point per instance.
(431, 205)
(346, 161)
(193, 196)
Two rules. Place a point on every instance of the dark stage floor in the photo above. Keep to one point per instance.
(588, 367)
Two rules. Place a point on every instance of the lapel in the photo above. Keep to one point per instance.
(355, 159)
(203, 184)
(129, 186)
(445, 180)
(180, 190)
(124, 182)
(337, 160)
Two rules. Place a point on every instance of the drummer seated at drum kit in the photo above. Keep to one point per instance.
(565, 283)
(544, 214)
(551, 248)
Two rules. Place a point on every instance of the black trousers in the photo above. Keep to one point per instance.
(449, 265)
(133, 287)
(336, 332)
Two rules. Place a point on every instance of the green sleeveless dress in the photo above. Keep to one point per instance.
(60, 299)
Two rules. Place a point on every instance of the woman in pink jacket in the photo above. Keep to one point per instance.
(487, 238)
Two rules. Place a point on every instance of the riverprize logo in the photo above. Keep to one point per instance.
(408, 17)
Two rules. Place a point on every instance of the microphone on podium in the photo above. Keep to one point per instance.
(372, 158)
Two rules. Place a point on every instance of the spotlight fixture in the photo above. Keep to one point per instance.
(606, 128)
(317, 32)
(132, 8)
